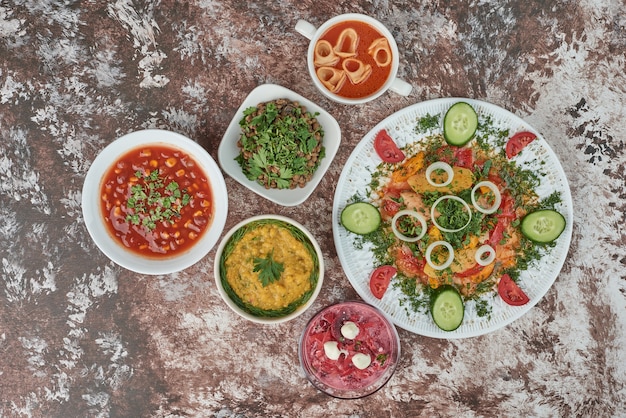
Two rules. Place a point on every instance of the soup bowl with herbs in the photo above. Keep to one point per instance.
(269, 269)
(154, 201)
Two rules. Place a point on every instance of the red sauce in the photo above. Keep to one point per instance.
(367, 34)
(170, 232)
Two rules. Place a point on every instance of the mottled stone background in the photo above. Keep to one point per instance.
(82, 337)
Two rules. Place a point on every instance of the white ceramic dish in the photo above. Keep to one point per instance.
(238, 309)
(358, 263)
(96, 224)
(393, 83)
(228, 150)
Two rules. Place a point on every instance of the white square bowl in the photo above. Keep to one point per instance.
(228, 150)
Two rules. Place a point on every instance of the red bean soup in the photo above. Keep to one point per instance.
(156, 201)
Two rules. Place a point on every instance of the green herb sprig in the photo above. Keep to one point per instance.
(269, 269)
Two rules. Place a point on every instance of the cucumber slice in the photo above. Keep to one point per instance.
(360, 218)
(446, 307)
(460, 124)
(543, 226)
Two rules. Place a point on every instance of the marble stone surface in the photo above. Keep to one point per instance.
(82, 337)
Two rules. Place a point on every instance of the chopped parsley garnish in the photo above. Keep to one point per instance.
(483, 308)
(382, 358)
(452, 214)
(152, 200)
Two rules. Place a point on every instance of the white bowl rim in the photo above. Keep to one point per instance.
(232, 305)
(97, 228)
(228, 150)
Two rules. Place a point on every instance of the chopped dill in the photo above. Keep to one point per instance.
(414, 298)
(483, 308)
(427, 123)
(551, 201)
(487, 131)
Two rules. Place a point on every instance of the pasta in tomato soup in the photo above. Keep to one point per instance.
(353, 59)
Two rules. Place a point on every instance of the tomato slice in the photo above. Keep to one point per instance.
(507, 207)
(504, 218)
(386, 149)
(464, 157)
(389, 208)
(379, 280)
(510, 292)
(497, 233)
(408, 264)
(517, 142)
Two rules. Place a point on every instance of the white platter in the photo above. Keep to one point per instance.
(358, 263)
(228, 150)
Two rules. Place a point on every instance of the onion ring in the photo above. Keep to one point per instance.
(439, 165)
(481, 251)
(434, 220)
(414, 214)
(494, 189)
(429, 251)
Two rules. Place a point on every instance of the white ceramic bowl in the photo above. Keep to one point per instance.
(241, 310)
(109, 245)
(392, 83)
(228, 150)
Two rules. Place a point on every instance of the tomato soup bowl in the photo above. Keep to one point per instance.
(271, 237)
(381, 77)
(197, 162)
(349, 350)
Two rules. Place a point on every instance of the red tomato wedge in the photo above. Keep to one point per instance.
(389, 208)
(379, 280)
(510, 292)
(517, 142)
(464, 157)
(408, 264)
(456, 156)
(387, 149)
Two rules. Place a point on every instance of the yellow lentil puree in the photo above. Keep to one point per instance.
(259, 242)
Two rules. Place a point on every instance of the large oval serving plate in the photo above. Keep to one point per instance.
(358, 262)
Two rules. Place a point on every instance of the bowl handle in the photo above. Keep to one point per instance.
(305, 28)
(401, 87)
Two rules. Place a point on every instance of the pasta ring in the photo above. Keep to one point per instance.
(346, 43)
(324, 55)
(380, 51)
(356, 70)
(331, 78)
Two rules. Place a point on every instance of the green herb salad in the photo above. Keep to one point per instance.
(465, 219)
(281, 144)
